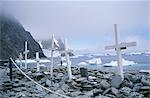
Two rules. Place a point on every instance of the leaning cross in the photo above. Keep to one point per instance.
(26, 53)
(118, 47)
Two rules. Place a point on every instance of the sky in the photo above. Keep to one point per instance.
(87, 24)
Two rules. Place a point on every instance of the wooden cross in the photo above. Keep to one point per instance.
(118, 47)
(37, 62)
(66, 52)
(54, 46)
(26, 53)
(20, 59)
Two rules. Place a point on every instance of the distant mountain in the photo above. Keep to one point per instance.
(12, 39)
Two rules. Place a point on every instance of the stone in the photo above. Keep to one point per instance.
(76, 93)
(39, 88)
(87, 87)
(48, 83)
(145, 81)
(114, 91)
(137, 86)
(20, 95)
(135, 78)
(116, 81)
(126, 91)
(96, 92)
(127, 83)
(145, 88)
(104, 84)
(84, 72)
(106, 91)
(65, 87)
(135, 95)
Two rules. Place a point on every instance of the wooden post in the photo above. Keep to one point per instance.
(10, 69)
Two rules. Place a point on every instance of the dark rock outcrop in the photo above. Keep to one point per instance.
(13, 37)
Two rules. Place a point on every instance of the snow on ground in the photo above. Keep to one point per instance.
(33, 61)
(125, 63)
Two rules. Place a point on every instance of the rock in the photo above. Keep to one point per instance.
(87, 87)
(111, 96)
(39, 88)
(60, 91)
(127, 84)
(137, 87)
(101, 96)
(114, 91)
(76, 93)
(39, 76)
(16, 80)
(104, 84)
(106, 91)
(116, 81)
(145, 81)
(48, 83)
(145, 88)
(125, 90)
(82, 96)
(107, 76)
(96, 92)
(80, 79)
(65, 87)
(20, 95)
(135, 95)
(135, 78)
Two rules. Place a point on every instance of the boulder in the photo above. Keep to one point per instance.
(116, 81)
(104, 84)
(126, 91)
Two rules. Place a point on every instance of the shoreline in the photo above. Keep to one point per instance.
(98, 84)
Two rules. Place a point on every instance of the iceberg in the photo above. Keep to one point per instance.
(124, 62)
(95, 61)
(77, 56)
(82, 63)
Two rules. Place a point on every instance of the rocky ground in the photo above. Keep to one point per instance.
(100, 84)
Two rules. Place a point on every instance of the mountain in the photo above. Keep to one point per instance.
(13, 37)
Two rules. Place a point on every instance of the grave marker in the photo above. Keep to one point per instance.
(118, 47)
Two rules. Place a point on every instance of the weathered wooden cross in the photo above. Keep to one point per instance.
(20, 59)
(118, 47)
(54, 46)
(37, 62)
(66, 52)
(26, 53)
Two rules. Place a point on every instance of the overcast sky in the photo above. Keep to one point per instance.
(86, 24)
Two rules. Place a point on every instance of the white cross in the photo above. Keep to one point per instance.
(26, 53)
(53, 48)
(118, 47)
(20, 58)
(37, 62)
(67, 51)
